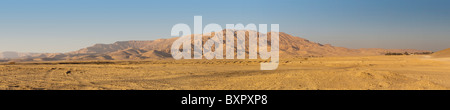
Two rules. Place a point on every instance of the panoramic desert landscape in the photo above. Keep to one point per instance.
(148, 65)
(322, 73)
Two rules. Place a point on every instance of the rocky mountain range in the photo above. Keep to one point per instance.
(290, 46)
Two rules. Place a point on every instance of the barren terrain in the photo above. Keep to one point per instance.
(302, 73)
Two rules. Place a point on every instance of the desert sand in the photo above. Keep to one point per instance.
(442, 54)
(413, 72)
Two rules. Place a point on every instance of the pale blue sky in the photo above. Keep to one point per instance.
(68, 25)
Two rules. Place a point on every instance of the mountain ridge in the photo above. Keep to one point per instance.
(290, 46)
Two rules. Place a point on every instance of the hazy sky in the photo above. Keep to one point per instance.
(68, 25)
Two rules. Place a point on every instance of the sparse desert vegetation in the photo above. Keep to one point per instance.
(304, 65)
(301, 73)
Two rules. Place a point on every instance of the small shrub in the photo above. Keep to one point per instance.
(12, 63)
(389, 53)
(406, 53)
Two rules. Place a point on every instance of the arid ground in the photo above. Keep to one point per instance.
(319, 73)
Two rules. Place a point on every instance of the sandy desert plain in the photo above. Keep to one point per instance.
(412, 72)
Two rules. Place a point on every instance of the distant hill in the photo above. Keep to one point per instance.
(14, 55)
(290, 46)
(442, 53)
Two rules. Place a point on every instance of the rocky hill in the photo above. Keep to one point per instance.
(442, 53)
(290, 46)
